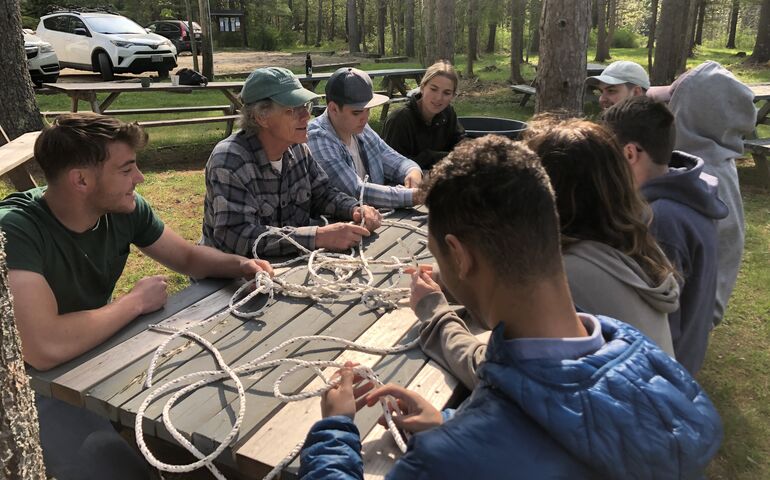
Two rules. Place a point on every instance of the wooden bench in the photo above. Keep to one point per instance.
(190, 121)
(13, 159)
(328, 67)
(140, 111)
(317, 110)
(760, 149)
(391, 59)
(526, 91)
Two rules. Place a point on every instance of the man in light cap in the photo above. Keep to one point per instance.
(620, 80)
(264, 175)
(348, 149)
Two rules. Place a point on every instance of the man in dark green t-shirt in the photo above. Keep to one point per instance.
(67, 245)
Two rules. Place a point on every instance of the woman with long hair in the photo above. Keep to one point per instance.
(426, 130)
(614, 265)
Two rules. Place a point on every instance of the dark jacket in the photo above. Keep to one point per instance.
(627, 411)
(685, 209)
(406, 132)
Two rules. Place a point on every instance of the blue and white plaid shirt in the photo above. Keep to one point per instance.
(244, 193)
(383, 164)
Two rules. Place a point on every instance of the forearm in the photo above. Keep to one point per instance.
(240, 240)
(49, 342)
(446, 339)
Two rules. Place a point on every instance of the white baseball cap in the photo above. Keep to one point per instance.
(619, 72)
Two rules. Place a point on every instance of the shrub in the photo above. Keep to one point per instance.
(624, 38)
(29, 22)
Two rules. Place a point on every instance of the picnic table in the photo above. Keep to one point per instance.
(394, 82)
(528, 91)
(762, 99)
(109, 379)
(14, 156)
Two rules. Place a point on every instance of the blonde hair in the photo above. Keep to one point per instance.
(442, 68)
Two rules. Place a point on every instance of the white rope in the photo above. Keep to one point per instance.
(343, 268)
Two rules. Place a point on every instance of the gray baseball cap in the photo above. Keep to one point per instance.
(353, 87)
(619, 72)
(277, 84)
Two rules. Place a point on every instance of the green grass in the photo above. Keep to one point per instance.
(736, 370)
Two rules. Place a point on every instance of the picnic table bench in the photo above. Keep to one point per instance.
(109, 380)
(527, 91)
(760, 149)
(14, 157)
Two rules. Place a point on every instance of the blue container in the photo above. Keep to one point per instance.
(479, 126)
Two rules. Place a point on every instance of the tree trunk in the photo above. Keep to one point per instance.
(19, 429)
(244, 26)
(331, 25)
(352, 27)
(536, 7)
(671, 46)
(394, 29)
(692, 19)
(733, 24)
(409, 25)
(362, 25)
(319, 24)
(445, 30)
(517, 44)
(382, 11)
(206, 39)
(306, 24)
(561, 73)
(20, 113)
(20, 450)
(473, 27)
(602, 49)
(651, 37)
(761, 53)
(612, 23)
(701, 19)
(428, 10)
(491, 38)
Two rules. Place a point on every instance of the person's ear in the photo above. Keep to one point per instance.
(79, 179)
(262, 119)
(461, 256)
(637, 91)
(631, 153)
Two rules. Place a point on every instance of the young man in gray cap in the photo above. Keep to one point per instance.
(620, 80)
(348, 149)
(264, 175)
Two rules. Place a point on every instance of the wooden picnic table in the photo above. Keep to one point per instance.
(109, 379)
(13, 160)
(394, 82)
(762, 99)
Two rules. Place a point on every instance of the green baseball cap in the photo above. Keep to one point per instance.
(277, 84)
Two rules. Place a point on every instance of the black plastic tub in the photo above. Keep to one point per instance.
(479, 126)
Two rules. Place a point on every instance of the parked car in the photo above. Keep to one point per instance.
(107, 43)
(41, 59)
(178, 32)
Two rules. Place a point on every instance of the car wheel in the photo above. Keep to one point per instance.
(105, 67)
(163, 72)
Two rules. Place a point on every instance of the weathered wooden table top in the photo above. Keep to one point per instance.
(110, 379)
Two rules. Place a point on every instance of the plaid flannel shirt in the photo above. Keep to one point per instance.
(383, 164)
(244, 194)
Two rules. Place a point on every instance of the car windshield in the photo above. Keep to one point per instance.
(113, 25)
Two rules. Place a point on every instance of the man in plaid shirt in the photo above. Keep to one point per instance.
(264, 175)
(348, 149)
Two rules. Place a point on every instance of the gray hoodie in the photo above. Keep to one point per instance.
(605, 281)
(713, 111)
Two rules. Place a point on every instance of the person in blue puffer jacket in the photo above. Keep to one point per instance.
(560, 394)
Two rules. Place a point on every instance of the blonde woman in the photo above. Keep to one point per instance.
(426, 130)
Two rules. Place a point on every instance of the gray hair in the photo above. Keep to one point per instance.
(252, 111)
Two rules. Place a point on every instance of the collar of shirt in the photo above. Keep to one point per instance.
(560, 348)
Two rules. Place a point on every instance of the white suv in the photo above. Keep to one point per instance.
(106, 43)
(41, 59)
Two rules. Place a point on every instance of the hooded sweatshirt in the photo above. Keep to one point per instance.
(713, 111)
(685, 209)
(605, 281)
(625, 411)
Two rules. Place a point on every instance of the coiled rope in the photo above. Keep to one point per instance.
(343, 268)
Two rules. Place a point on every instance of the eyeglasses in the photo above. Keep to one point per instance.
(301, 110)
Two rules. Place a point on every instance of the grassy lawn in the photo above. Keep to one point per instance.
(736, 370)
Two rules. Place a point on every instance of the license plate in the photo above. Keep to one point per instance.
(157, 58)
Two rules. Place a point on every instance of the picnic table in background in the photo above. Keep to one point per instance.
(760, 147)
(14, 156)
(89, 91)
(527, 91)
(109, 379)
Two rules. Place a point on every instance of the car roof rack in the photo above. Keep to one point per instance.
(78, 9)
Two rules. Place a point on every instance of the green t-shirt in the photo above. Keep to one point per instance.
(80, 268)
